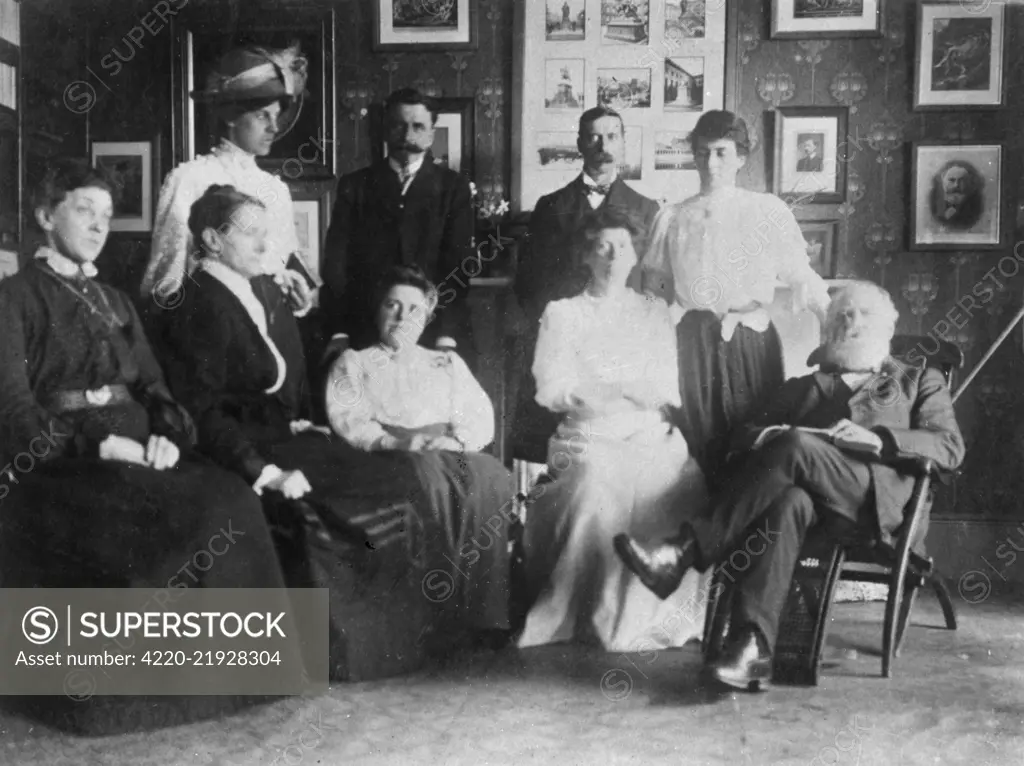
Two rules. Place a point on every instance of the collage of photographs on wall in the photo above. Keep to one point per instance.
(660, 65)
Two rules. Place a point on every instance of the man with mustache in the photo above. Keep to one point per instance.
(956, 200)
(789, 480)
(403, 209)
(549, 268)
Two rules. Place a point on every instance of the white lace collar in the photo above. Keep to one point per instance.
(64, 265)
(241, 288)
(231, 154)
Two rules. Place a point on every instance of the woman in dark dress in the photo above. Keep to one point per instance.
(244, 380)
(99, 488)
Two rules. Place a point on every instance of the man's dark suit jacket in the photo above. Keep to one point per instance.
(549, 270)
(909, 407)
(374, 227)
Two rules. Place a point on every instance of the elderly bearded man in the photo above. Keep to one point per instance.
(791, 479)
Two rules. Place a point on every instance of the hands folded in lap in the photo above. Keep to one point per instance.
(159, 452)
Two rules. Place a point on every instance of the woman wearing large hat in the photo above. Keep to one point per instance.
(254, 95)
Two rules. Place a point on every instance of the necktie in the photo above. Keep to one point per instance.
(601, 189)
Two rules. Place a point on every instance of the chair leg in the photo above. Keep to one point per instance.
(824, 608)
(893, 608)
(906, 608)
(945, 599)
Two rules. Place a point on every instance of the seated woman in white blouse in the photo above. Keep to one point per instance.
(399, 396)
(606, 359)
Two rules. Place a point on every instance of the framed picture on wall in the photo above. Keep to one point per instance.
(307, 149)
(956, 197)
(403, 25)
(453, 135)
(131, 165)
(795, 19)
(809, 162)
(960, 55)
(821, 238)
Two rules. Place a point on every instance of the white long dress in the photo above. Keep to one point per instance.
(629, 472)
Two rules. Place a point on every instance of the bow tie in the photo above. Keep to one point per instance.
(601, 189)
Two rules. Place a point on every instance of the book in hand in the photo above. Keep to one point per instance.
(845, 443)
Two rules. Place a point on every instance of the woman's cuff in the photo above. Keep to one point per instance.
(268, 474)
(385, 442)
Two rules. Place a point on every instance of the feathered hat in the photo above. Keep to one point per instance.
(254, 74)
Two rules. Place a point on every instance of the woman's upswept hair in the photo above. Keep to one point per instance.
(600, 220)
(405, 275)
(216, 210)
(65, 174)
(718, 124)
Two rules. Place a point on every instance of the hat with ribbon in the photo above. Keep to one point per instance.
(254, 74)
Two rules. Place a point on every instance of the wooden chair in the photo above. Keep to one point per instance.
(830, 555)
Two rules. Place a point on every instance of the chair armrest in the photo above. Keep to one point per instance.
(337, 345)
(915, 466)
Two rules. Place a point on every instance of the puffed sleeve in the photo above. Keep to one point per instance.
(555, 362)
(791, 259)
(168, 258)
(349, 407)
(656, 264)
(473, 413)
(663, 365)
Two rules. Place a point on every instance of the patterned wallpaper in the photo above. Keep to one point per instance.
(365, 78)
(874, 78)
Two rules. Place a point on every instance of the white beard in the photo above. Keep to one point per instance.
(857, 354)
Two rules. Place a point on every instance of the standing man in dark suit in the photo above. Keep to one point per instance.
(402, 210)
(549, 268)
(875, 410)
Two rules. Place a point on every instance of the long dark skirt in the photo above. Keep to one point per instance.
(453, 528)
(101, 523)
(723, 384)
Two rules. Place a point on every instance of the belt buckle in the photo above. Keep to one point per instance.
(99, 397)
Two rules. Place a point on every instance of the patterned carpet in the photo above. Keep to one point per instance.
(956, 698)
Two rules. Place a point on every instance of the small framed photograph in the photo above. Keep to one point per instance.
(805, 19)
(684, 84)
(685, 21)
(557, 150)
(625, 23)
(631, 168)
(672, 151)
(960, 55)
(425, 25)
(821, 238)
(453, 135)
(131, 165)
(623, 89)
(563, 84)
(306, 213)
(566, 21)
(809, 162)
(956, 197)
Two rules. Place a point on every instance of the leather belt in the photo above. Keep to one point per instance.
(105, 396)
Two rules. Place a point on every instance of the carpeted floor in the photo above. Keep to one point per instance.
(956, 698)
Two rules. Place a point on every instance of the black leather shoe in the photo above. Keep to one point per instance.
(746, 662)
(662, 568)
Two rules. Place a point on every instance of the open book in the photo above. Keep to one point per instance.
(852, 445)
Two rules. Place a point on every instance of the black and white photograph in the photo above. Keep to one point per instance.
(672, 151)
(625, 22)
(622, 89)
(808, 19)
(822, 239)
(685, 19)
(684, 84)
(500, 382)
(957, 196)
(566, 20)
(962, 53)
(563, 86)
(130, 164)
(809, 162)
(557, 150)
